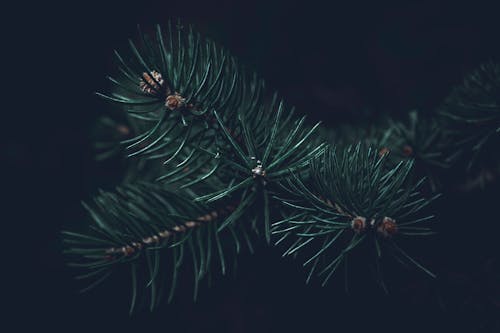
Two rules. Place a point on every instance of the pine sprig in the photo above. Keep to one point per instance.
(472, 112)
(257, 151)
(177, 77)
(227, 157)
(150, 228)
(419, 137)
(349, 197)
(170, 89)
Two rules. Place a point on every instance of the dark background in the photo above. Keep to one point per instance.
(331, 61)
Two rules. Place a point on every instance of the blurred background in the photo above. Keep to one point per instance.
(330, 59)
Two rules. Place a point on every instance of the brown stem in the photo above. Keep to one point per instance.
(131, 248)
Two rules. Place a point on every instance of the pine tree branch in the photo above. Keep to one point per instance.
(137, 224)
(232, 153)
(471, 113)
(349, 192)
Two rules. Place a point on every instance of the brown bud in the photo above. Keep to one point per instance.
(175, 101)
(407, 150)
(358, 224)
(123, 130)
(151, 82)
(383, 151)
(387, 227)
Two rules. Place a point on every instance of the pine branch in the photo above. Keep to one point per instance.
(347, 198)
(472, 113)
(227, 156)
(267, 151)
(421, 138)
(139, 225)
(210, 149)
(177, 77)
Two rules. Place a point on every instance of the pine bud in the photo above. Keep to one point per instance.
(387, 227)
(175, 101)
(151, 82)
(383, 151)
(407, 150)
(358, 224)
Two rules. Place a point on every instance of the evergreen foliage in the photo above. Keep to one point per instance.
(144, 225)
(472, 112)
(218, 161)
(350, 197)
